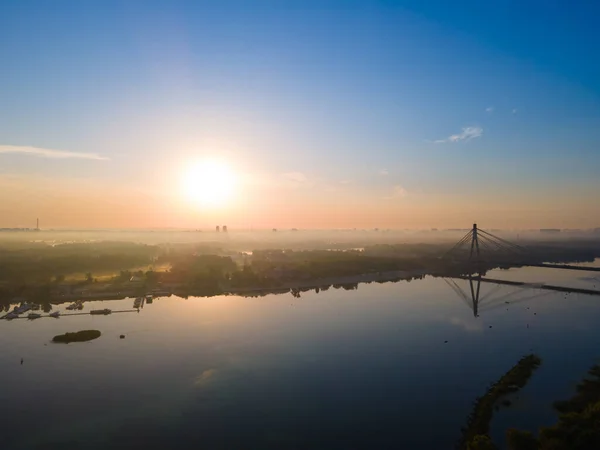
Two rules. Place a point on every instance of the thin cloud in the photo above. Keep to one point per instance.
(514, 111)
(279, 180)
(297, 177)
(397, 192)
(489, 109)
(383, 172)
(296, 180)
(49, 153)
(466, 134)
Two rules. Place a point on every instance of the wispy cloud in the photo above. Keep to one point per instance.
(49, 153)
(397, 192)
(383, 172)
(297, 177)
(514, 111)
(295, 180)
(466, 134)
(489, 109)
(291, 180)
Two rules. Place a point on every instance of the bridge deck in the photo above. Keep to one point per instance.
(566, 266)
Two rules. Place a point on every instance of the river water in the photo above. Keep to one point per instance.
(394, 365)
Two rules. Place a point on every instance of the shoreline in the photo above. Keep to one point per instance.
(176, 289)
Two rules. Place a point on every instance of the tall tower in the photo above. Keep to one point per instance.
(37, 225)
(474, 243)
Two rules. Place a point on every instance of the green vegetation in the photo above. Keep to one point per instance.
(475, 434)
(43, 273)
(522, 440)
(79, 336)
(588, 392)
(578, 426)
(481, 442)
(45, 263)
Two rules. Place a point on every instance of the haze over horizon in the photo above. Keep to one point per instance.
(313, 114)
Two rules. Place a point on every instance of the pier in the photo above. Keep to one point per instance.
(48, 316)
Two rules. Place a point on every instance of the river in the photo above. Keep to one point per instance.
(391, 365)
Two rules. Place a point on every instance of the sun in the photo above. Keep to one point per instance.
(209, 183)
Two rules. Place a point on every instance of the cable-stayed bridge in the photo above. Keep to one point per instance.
(478, 251)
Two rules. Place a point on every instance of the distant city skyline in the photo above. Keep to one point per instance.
(314, 114)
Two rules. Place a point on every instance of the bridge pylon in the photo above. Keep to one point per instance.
(478, 248)
(474, 243)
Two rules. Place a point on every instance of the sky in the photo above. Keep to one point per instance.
(328, 114)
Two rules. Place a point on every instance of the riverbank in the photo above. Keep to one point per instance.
(168, 289)
(318, 283)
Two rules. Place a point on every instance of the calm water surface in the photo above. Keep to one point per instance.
(361, 369)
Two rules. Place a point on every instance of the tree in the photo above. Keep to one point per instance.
(88, 277)
(521, 440)
(481, 442)
(125, 275)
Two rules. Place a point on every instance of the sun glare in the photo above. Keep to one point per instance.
(209, 183)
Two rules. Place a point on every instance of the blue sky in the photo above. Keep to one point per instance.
(358, 98)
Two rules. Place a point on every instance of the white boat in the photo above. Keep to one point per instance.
(33, 316)
(55, 314)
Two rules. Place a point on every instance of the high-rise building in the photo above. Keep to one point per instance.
(224, 228)
(218, 228)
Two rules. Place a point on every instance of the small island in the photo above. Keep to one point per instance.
(79, 336)
(476, 432)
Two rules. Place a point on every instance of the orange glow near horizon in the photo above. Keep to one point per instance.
(220, 194)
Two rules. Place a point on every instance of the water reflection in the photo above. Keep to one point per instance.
(339, 369)
(497, 295)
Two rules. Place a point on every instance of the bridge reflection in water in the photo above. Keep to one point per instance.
(479, 251)
(496, 297)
